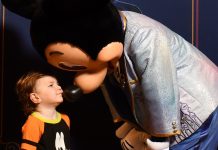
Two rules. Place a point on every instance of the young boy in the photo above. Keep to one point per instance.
(45, 128)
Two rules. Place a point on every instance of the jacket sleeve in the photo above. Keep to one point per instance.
(157, 111)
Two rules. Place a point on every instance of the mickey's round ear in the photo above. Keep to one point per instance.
(24, 8)
(34, 8)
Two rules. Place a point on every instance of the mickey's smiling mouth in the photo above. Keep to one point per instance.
(72, 68)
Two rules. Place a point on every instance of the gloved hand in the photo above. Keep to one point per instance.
(72, 93)
(164, 145)
(132, 139)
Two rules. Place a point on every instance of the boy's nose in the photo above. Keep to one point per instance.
(59, 88)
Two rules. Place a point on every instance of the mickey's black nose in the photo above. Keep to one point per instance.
(72, 93)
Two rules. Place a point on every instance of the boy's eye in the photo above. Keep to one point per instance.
(50, 85)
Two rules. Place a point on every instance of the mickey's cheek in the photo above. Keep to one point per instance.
(53, 62)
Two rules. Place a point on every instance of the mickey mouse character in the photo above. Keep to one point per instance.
(170, 87)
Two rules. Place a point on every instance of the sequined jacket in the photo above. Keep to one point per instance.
(173, 86)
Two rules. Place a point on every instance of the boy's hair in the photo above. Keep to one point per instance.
(24, 86)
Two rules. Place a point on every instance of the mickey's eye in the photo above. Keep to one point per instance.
(55, 53)
(72, 68)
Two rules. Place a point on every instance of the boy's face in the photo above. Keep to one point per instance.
(48, 92)
(90, 73)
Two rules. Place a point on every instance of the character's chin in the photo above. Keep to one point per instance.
(89, 82)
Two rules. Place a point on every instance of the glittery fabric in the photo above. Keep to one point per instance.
(175, 85)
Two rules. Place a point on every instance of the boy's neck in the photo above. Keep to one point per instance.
(48, 113)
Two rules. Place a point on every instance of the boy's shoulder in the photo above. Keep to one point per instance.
(66, 118)
(33, 123)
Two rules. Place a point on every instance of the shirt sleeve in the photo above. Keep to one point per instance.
(66, 119)
(32, 131)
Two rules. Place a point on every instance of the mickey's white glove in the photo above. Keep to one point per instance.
(157, 145)
(132, 139)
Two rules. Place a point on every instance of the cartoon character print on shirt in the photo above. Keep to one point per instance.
(189, 122)
(59, 141)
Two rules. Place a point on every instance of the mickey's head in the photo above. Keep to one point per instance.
(87, 24)
(75, 35)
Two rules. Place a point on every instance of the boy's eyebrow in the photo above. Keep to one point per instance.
(55, 53)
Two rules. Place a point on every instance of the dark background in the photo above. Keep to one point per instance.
(92, 125)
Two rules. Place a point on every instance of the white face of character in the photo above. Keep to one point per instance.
(90, 73)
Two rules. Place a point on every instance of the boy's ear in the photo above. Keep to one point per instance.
(35, 98)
